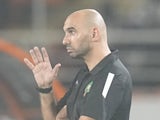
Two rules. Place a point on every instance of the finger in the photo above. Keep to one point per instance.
(45, 55)
(56, 69)
(38, 54)
(28, 63)
(34, 58)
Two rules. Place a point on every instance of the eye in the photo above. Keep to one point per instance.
(71, 32)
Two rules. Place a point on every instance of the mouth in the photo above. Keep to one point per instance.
(69, 49)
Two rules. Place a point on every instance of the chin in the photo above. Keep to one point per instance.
(74, 56)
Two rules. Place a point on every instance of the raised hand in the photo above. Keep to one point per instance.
(42, 70)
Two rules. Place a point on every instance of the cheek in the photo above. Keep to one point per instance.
(75, 41)
(85, 39)
(84, 42)
(80, 40)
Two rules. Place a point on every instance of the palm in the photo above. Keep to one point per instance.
(43, 72)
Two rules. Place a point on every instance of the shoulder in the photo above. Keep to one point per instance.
(121, 73)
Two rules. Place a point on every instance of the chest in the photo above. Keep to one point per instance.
(83, 87)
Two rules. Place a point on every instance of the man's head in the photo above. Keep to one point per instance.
(84, 30)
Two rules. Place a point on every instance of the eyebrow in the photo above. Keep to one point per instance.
(69, 28)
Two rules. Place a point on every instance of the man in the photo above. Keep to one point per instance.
(101, 89)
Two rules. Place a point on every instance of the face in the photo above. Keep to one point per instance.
(76, 37)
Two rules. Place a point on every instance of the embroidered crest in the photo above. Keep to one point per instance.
(87, 88)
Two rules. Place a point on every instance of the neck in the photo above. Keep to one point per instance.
(95, 57)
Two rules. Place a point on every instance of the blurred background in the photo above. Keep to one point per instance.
(133, 28)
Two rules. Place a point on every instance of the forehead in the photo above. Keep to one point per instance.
(74, 21)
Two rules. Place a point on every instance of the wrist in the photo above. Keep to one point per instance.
(44, 90)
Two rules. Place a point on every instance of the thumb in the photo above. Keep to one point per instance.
(56, 69)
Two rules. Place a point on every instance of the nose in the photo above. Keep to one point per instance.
(65, 40)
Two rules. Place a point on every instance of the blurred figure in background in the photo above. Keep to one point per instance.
(101, 90)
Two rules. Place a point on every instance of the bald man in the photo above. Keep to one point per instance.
(101, 90)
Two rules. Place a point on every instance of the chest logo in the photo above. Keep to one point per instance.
(87, 88)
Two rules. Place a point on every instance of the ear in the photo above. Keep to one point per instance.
(95, 34)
